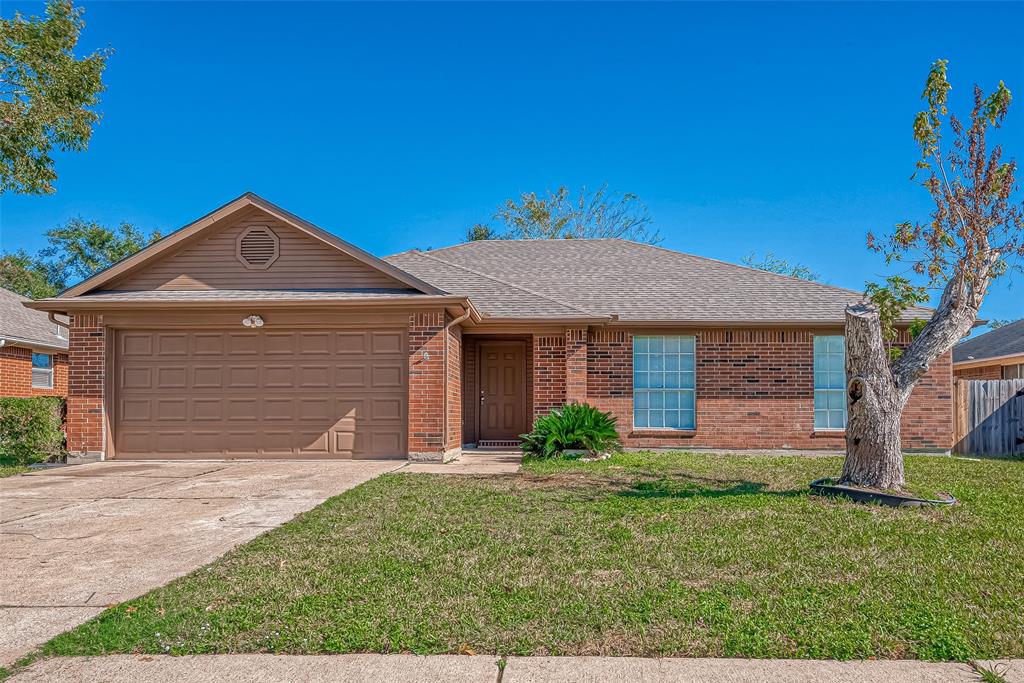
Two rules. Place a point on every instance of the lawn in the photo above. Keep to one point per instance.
(10, 467)
(644, 554)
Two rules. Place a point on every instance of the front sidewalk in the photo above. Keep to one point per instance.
(490, 669)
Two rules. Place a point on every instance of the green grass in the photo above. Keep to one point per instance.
(9, 467)
(643, 554)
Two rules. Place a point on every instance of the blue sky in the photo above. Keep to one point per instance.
(743, 127)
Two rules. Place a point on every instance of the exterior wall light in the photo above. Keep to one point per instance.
(253, 321)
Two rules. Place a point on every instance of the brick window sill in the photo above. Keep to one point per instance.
(828, 434)
(662, 433)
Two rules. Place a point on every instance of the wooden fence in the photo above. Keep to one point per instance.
(988, 416)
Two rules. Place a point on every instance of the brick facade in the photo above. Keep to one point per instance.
(433, 367)
(16, 373)
(755, 389)
(548, 388)
(87, 354)
(576, 365)
(980, 372)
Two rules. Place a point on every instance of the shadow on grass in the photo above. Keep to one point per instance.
(701, 487)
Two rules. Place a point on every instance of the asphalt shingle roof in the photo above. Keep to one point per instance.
(1007, 340)
(639, 282)
(18, 323)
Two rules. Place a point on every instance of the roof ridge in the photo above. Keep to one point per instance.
(508, 284)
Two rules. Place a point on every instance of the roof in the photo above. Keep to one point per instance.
(632, 281)
(1007, 340)
(215, 217)
(25, 327)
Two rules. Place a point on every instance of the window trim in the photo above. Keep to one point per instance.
(42, 372)
(632, 381)
(815, 390)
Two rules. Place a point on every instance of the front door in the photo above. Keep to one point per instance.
(502, 390)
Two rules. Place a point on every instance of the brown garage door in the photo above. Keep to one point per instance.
(266, 393)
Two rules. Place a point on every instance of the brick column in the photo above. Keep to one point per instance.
(86, 362)
(428, 365)
(576, 365)
(548, 373)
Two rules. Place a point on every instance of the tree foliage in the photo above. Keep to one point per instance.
(47, 95)
(77, 250)
(780, 266)
(562, 214)
(997, 323)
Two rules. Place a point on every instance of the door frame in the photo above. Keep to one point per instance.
(483, 343)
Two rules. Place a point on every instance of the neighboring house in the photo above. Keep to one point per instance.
(998, 354)
(33, 350)
(252, 333)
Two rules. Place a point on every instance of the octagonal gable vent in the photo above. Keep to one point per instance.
(258, 247)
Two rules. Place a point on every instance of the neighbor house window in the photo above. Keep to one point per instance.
(829, 382)
(663, 382)
(42, 371)
(1013, 371)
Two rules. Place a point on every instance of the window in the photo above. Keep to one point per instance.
(42, 371)
(1013, 371)
(663, 383)
(829, 382)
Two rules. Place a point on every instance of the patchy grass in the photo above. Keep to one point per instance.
(643, 554)
(9, 467)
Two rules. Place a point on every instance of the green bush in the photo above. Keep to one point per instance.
(30, 429)
(575, 425)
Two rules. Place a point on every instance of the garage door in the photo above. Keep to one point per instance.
(331, 393)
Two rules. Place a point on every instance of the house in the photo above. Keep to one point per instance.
(252, 333)
(998, 354)
(33, 350)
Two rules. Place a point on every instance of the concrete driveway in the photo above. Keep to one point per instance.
(74, 540)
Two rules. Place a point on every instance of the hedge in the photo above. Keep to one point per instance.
(31, 429)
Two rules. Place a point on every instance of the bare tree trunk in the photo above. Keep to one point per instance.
(874, 455)
(878, 389)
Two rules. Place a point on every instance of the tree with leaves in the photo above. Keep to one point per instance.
(77, 250)
(974, 233)
(562, 214)
(779, 266)
(47, 95)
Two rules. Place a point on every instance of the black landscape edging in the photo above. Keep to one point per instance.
(823, 487)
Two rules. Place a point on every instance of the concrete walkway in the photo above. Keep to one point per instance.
(486, 669)
(471, 462)
(76, 539)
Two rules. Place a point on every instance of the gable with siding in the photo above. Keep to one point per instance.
(211, 262)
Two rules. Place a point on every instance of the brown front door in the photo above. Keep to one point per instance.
(502, 390)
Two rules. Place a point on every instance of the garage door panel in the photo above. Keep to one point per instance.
(134, 377)
(259, 393)
(243, 344)
(278, 377)
(387, 343)
(207, 377)
(208, 409)
(347, 343)
(207, 344)
(314, 376)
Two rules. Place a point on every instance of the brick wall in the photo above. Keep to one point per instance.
(576, 365)
(548, 388)
(755, 389)
(86, 352)
(426, 382)
(453, 439)
(16, 373)
(982, 372)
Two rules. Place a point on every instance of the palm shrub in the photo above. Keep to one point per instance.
(574, 425)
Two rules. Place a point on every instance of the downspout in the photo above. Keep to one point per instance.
(444, 383)
(52, 315)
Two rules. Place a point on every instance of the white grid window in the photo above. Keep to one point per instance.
(663, 383)
(42, 371)
(829, 382)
